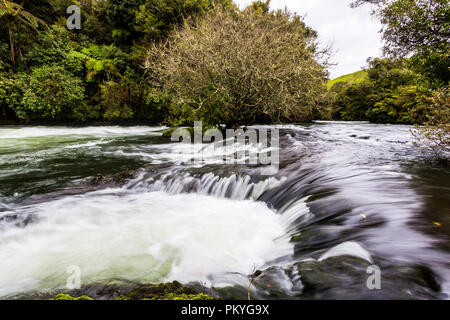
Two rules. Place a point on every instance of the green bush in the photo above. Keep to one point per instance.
(49, 93)
(4, 84)
(116, 100)
(156, 106)
(11, 91)
(434, 136)
(391, 93)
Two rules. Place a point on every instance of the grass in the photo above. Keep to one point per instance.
(354, 77)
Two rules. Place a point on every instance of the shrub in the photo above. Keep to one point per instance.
(49, 93)
(391, 93)
(4, 84)
(239, 68)
(155, 107)
(115, 99)
(434, 136)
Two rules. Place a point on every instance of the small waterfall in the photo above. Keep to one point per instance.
(236, 187)
(344, 197)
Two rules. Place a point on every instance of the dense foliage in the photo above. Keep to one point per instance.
(240, 68)
(434, 136)
(418, 92)
(207, 60)
(398, 89)
(390, 93)
(420, 28)
(50, 73)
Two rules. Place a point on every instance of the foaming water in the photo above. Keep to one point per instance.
(33, 132)
(233, 187)
(145, 237)
(347, 195)
(350, 248)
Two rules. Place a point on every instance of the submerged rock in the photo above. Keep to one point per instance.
(346, 277)
(117, 179)
(164, 291)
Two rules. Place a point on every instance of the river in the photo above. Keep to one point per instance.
(348, 198)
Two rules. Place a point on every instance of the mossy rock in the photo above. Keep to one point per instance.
(69, 297)
(165, 291)
(117, 179)
(169, 132)
(173, 296)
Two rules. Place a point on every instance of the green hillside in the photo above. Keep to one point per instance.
(354, 77)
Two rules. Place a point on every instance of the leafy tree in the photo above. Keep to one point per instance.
(420, 28)
(95, 13)
(121, 17)
(144, 20)
(53, 46)
(434, 136)
(93, 18)
(412, 24)
(19, 23)
(239, 68)
(5, 89)
(261, 6)
(390, 94)
(50, 93)
(42, 9)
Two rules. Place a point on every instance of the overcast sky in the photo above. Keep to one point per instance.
(352, 32)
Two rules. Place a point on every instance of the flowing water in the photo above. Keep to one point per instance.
(347, 197)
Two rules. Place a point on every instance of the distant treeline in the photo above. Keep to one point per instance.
(152, 61)
(177, 61)
(410, 85)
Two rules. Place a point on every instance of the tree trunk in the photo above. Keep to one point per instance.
(11, 44)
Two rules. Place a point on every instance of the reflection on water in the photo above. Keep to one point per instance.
(347, 196)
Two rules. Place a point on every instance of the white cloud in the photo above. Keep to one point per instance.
(352, 32)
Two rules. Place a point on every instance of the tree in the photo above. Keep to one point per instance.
(412, 24)
(17, 20)
(42, 9)
(49, 93)
(420, 28)
(261, 6)
(143, 20)
(390, 94)
(434, 136)
(239, 68)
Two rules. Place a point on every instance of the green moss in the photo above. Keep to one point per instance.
(168, 132)
(69, 297)
(296, 238)
(200, 296)
(165, 291)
